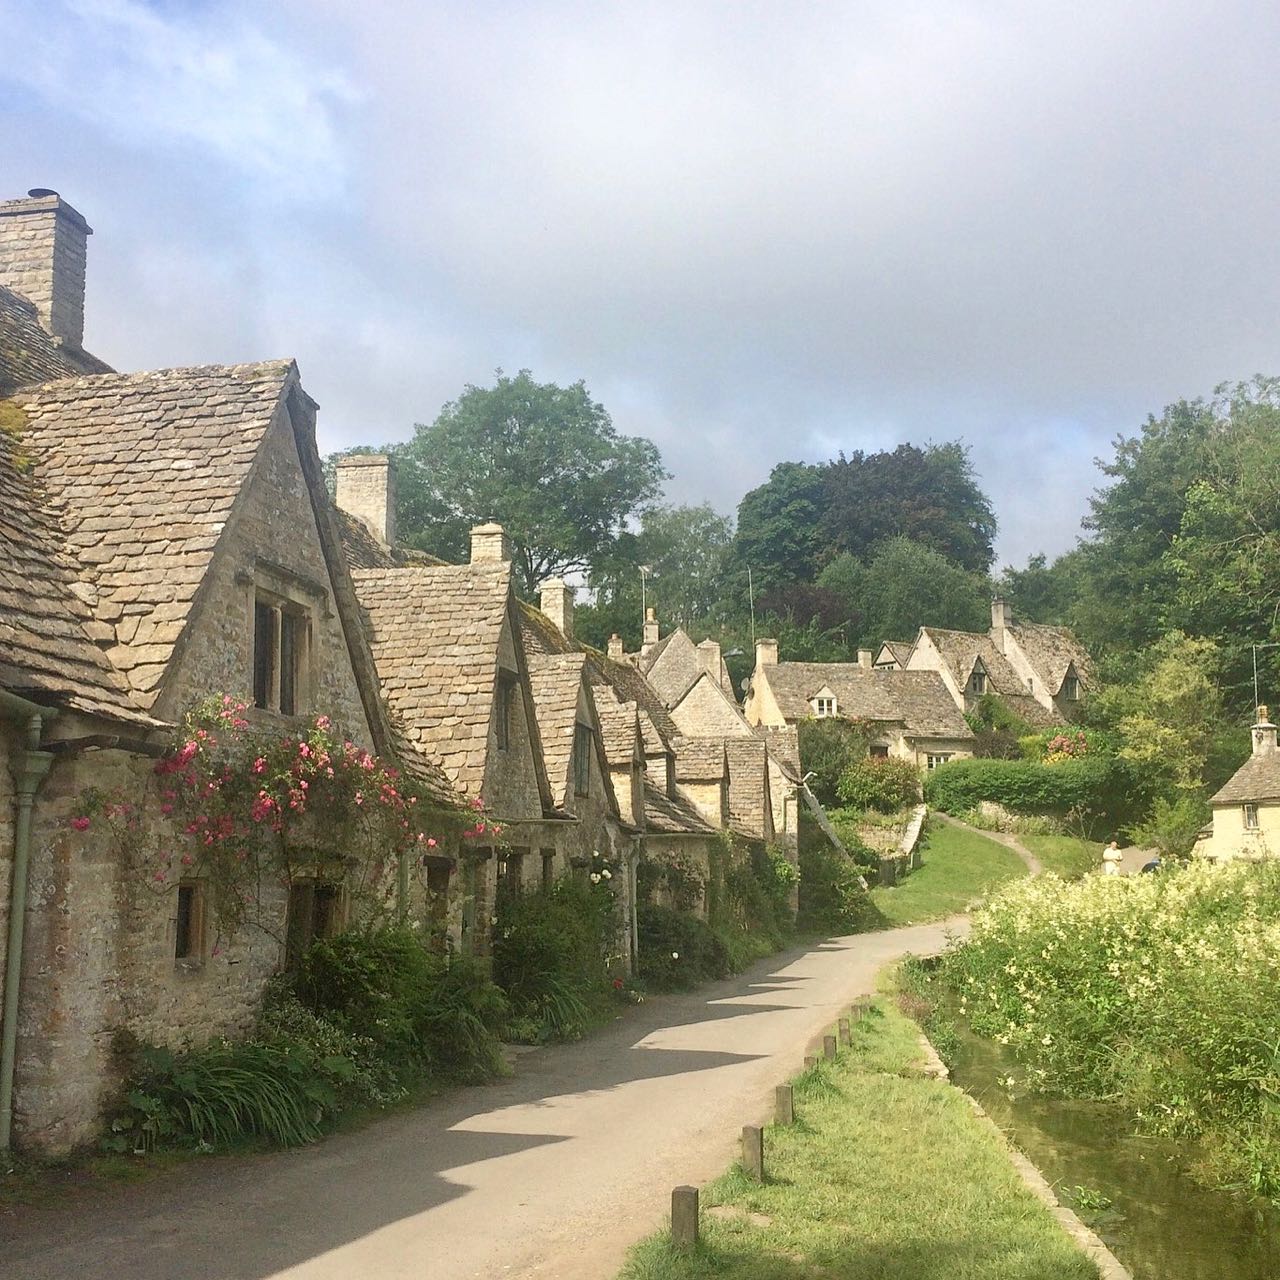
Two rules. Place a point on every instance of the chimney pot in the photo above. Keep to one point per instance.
(555, 597)
(43, 247)
(709, 657)
(616, 649)
(1264, 733)
(1001, 614)
(652, 631)
(365, 487)
(490, 542)
(766, 653)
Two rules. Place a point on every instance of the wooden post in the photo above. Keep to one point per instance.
(684, 1217)
(828, 1047)
(843, 1031)
(753, 1151)
(858, 1011)
(888, 871)
(784, 1107)
(810, 1061)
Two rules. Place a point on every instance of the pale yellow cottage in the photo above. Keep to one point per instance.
(1246, 812)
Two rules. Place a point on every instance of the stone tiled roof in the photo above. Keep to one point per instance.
(434, 632)
(556, 680)
(673, 815)
(364, 551)
(673, 665)
(654, 743)
(1257, 779)
(1052, 651)
(145, 470)
(916, 699)
(47, 649)
(783, 742)
(899, 651)
(28, 354)
(748, 785)
(619, 727)
(961, 649)
(700, 759)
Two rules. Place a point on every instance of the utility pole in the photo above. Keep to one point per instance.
(1256, 647)
(751, 604)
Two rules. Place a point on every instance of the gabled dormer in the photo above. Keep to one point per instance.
(824, 704)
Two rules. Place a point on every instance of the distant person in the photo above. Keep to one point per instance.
(1153, 865)
(1111, 859)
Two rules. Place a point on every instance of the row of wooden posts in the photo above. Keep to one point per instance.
(684, 1200)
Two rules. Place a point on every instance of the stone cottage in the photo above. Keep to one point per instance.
(911, 714)
(167, 536)
(1246, 811)
(1039, 672)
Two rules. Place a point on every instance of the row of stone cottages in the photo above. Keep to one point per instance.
(166, 537)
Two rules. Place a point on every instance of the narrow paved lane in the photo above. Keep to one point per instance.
(549, 1174)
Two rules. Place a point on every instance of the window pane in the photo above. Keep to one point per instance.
(264, 653)
(290, 652)
(187, 941)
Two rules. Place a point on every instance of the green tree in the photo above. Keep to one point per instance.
(908, 585)
(778, 535)
(545, 461)
(1044, 592)
(928, 495)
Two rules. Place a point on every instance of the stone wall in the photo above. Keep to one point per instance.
(43, 244)
(704, 712)
(272, 544)
(7, 743)
(511, 791)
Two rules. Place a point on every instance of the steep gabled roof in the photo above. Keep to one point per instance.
(145, 470)
(434, 631)
(783, 742)
(960, 650)
(364, 551)
(673, 815)
(673, 666)
(898, 650)
(1052, 652)
(619, 729)
(28, 354)
(47, 649)
(748, 785)
(556, 680)
(1257, 779)
(700, 759)
(918, 700)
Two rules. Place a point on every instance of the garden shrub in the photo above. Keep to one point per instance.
(1157, 992)
(678, 951)
(881, 783)
(832, 899)
(1173, 824)
(827, 748)
(552, 955)
(1102, 788)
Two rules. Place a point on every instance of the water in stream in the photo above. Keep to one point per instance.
(1161, 1225)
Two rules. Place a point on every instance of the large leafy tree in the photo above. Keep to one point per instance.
(778, 534)
(543, 460)
(908, 585)
(928, 495)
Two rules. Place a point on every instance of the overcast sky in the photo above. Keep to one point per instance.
(758, 231)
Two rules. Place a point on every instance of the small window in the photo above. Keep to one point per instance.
(438, 905)
(824, 707)
(315, 911)
(548, 869)
(1071, 689)
(583, 740)
(935, 760)
(510, 878)
(280, 635)
(878, 751)
(978, 681)
(1250, 817)
(504, 711)
(189, 932)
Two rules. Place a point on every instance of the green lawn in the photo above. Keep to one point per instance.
(959, 866)
(1068, 856)
(886, 1175)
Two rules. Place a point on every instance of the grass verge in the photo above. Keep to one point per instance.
(1067, 856)
(886, 1175)
(959, 866)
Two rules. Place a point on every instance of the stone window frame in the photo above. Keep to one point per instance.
(1071, 688)
(583, 744)
(297, 938)
(978, 679)
(301, 601)
(189, 952)
(1249, 816)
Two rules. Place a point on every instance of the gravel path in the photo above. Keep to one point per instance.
(552, 1173)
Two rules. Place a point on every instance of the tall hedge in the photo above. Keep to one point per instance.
(1099, 788)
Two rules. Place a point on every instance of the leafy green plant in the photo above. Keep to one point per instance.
(881, 783)
(678, 951)
(1173, 824)
(827, 748)
(832, 899)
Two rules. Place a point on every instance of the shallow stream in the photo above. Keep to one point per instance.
(1160, 1224)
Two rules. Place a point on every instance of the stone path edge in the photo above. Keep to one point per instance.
(1109, 1266)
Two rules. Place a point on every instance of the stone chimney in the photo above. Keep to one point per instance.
(43, 245)
(366, 488)
(709, 657)
(766, 653)
(1001, 614)
(1264, 734)
(555, 598)
(616, 649)
(652, 633)
(865, 657)
(490, 542)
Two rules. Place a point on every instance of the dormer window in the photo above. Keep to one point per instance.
(1071, 689)
(824, 707)
(978, 680)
